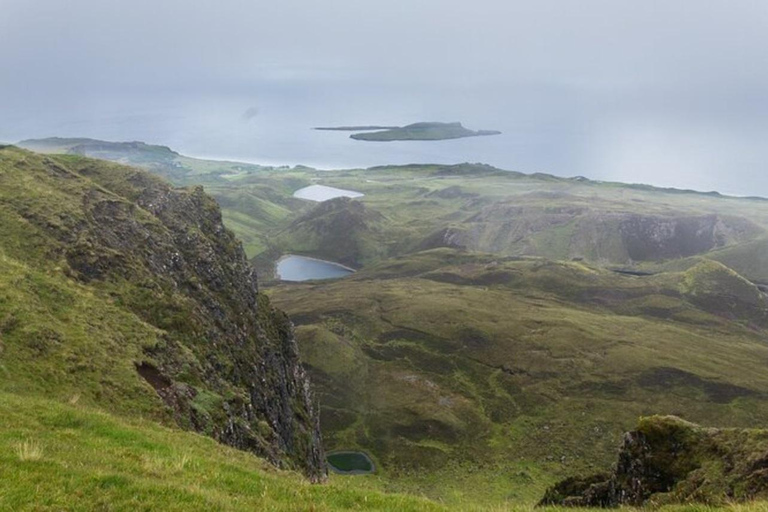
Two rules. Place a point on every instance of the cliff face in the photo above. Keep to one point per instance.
(564, 232)
(226, 363)
(668, 460)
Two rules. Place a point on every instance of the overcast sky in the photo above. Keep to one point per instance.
(662, 91)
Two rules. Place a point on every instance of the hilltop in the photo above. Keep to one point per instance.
(481, 208)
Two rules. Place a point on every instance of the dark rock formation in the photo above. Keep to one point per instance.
(668, 460)
(649, 237)
(566, 231)
(228, 365)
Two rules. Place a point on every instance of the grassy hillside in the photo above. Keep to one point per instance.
(487, 348)
(66, 456)
(518, 371)
(69, 457)
(159, 159)
(134, 296)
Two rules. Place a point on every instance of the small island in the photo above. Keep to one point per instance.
(416, 131)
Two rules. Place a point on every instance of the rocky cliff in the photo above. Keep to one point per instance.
(668, 460)
(575, 231)
(225, 362)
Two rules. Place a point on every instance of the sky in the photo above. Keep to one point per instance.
(666, 92)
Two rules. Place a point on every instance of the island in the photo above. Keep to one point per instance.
(423, 131)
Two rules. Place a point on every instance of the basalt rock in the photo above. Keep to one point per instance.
(228, 364)
(668, 460)
(564, 230)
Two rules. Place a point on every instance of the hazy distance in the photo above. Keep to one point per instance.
(671, 93)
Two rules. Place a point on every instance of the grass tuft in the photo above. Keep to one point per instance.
(29, 450)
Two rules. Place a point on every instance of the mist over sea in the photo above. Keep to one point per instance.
(557, 130)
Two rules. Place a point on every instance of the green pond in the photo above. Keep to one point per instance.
(350, 463)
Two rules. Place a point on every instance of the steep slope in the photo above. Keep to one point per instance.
(602, 235)
(133, 295)
(517, 370)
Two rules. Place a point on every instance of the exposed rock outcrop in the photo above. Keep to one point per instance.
(566, 231)
(668, 460)
(228, 364)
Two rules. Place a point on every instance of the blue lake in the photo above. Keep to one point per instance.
(300, 268)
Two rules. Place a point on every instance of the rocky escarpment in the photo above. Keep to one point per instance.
(570, 231)
(226, 363)
(668, 460)
(647, 237)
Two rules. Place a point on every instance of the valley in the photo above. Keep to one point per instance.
(503, 330)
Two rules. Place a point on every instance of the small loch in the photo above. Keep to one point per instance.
(350, 463)
(301, 268)
(322, 193)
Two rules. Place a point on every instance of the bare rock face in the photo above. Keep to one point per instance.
(655, 237)
(228, 365)
(668, 460)
(575, 231)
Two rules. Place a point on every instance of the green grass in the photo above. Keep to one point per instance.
(60, 339)
(516, 371)
(142, 308)
(62, 457)
(476, 380)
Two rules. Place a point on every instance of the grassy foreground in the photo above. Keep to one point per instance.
(66, 457)
(56, 456)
